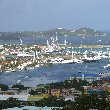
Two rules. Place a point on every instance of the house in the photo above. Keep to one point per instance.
(55, 92)
(9, 92)
(17, 96)
(69, 97)
(75, 92)
(96, 90)
(15, 93)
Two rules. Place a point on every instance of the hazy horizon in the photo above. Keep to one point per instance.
(14, 31)
(40, 15)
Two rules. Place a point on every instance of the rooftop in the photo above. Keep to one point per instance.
(33, 108)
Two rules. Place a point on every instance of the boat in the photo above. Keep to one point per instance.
(88, 60)
(107, 66)
(20, 67)
(68, 61)
(26, 77)
(13, 70)
(78, 61)
(19, 81)
(56, 60)
(10, 70)
(61, 61)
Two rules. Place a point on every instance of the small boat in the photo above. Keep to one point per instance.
(79, 71)
(13, 70)
(19, 81)
(78, 61)
(10, 70)
(61, 61)
(89, 59)
(107, 66)
(26, 77)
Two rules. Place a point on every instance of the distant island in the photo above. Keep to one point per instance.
(83, 32)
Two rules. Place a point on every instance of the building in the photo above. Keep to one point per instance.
(21, 95)
(69, 97)
(87, 76)
(96, 90)
(34, 108)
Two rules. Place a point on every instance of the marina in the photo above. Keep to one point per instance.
(59, 65)
(54, 55)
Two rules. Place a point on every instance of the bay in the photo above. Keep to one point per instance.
(55, 73)
(99, 40)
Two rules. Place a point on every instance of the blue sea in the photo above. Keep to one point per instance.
(60, 72)
(99, 40)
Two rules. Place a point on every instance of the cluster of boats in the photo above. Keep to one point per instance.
(72, 61)
(50, 51)
(84, 57)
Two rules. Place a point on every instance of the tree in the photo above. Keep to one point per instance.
(87, 102)
(9, 103)
(21, 87)
(4, 87)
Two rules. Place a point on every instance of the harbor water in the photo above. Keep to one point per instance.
(59, 72)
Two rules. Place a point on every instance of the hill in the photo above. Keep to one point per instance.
(84, 32)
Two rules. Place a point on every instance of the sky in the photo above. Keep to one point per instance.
(37, 15)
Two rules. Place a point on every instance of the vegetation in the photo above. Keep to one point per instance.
(84, 102)
(60, 32)
(3, 87)
(20, 87)
(9, 36)
(77, 84)
(89, 102)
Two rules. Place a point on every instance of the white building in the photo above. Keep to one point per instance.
(87, 76)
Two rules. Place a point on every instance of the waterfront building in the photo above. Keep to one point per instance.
(21, 95)
(96, 90)
(34, 108)
(88, 77)
(17, 96)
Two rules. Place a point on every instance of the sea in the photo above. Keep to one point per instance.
(59, 72)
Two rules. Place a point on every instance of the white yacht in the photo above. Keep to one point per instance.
(61, 61)
(78, 61)
(19, 81)
(57, 60)
(107, 66)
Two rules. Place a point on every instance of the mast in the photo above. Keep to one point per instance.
(72, 53)
(65, 42)
(47, 42)
(56, 37)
